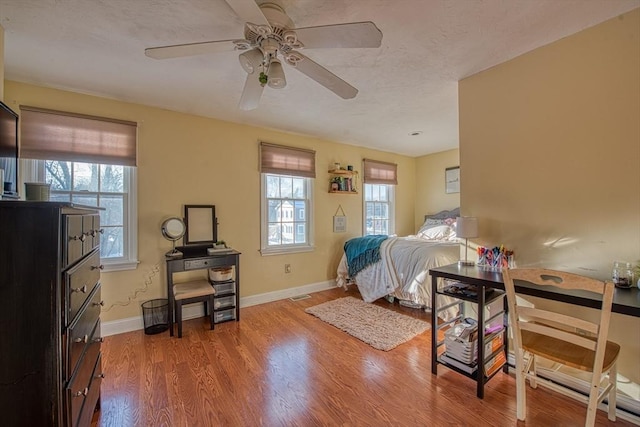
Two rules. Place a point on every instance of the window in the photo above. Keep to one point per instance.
(89, 161)
(379, 204)
(287, 199)
(378, 209)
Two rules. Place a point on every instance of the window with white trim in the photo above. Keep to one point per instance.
(286, 199)
(88, 161)
(379, 180)
(378, 209)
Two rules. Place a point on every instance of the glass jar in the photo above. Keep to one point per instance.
(622, 274)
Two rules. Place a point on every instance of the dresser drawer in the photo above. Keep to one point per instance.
(82, 333)
(93, 395)
(79, 282)
(224, 302)
(72, 239)
(224, 315)
(223, 288)
(91, 230)
(78, 388)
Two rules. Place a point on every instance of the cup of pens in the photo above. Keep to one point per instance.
(495, 258)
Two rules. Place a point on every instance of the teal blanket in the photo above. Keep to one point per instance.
(362, 251)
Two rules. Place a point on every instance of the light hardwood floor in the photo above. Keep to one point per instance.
(280, 366)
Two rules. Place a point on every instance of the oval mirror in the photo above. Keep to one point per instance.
(173, 229)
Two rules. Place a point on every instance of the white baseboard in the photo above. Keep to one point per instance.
(627, 407)
(197, 310)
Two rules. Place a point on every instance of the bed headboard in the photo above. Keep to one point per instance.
(453, 213)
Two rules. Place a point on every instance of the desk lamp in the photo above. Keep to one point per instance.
(466, 227)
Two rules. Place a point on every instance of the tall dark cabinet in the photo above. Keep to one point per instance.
(50, 369)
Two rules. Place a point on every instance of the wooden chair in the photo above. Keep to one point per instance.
(190, 292)
(563, 339)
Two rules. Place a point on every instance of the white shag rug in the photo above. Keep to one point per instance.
(380, 328)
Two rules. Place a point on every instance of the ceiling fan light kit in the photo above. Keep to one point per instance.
(251, 60)
(269, 32)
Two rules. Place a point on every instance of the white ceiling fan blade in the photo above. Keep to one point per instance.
(321, 75)
(355, 34)
(252, 92)
(190, 49)
(248, 11)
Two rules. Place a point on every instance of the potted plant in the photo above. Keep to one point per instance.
(220, 244)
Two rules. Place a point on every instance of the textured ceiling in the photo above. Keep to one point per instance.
(408, 84)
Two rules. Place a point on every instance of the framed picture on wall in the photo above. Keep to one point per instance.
(452, 180)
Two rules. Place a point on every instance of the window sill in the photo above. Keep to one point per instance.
(110, 266)
(282, 251)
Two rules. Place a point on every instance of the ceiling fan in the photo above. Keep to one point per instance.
(270, 35)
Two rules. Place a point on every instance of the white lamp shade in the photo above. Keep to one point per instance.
(276, 75)
(467, 227)
(251, 60)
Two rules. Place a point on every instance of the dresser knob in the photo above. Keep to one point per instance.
(81, 393)
(99, 339)
(101, 303)
(84, 339)
(81, 290)
(97, 267)
(99, 376)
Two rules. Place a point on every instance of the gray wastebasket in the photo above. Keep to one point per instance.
(155, 313)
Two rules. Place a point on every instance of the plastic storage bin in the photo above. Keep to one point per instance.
(155, 313)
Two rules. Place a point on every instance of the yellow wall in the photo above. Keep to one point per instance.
(185, 159)
(1, 62)
(550, 158)
(430, 195)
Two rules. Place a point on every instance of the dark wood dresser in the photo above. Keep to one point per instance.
(50, 370)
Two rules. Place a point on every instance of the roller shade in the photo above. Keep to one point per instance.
(282, 160)
(376, 172)
(58, 135)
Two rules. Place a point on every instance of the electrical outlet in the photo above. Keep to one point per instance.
(287, 268)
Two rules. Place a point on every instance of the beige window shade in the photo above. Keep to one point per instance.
(282, 160)
(58, 135)
(376, 172)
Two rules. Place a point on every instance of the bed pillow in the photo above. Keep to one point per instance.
(436, 232)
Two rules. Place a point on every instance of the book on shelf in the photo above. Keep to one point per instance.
(495, 363)
(469, 369)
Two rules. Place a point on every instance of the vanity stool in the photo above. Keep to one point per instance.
(190, 292)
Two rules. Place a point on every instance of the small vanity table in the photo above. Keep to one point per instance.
(196, 258)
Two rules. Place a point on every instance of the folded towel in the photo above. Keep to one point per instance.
(362, 251)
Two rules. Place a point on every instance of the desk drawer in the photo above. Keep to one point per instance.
(224, 288)
(224, 315)
(79, 282)
(224, 302)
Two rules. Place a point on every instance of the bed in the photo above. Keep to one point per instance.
(398, 267)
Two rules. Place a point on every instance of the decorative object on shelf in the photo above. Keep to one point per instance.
(339, 221)
(466, 228)
(452, 180)
(495, 258)
(343, 181)
(622, 274)
(219, 247)
(173, 229)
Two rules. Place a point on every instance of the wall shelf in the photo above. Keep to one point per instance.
(343, 181)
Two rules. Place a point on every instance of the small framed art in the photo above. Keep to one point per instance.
(452, 180)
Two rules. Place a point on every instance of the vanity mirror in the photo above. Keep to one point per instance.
(201, 225)
(173, 229)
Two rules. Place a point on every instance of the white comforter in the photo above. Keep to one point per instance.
(403, 271)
